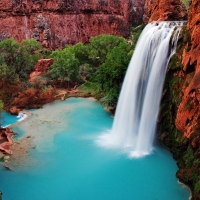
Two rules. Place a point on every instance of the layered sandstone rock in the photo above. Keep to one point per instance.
(58, 22)
(163, 10)
(188, 116)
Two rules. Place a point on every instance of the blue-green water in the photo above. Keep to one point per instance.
(8, 119)
(66, 163)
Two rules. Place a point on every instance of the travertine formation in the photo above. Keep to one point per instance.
(59, 22)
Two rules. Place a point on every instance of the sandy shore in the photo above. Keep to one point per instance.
(38, 131)
(30, 125)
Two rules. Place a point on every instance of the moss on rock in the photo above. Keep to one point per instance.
(185, 150)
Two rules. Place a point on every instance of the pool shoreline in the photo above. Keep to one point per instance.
(26, 141)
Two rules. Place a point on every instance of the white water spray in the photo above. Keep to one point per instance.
(26, 30)
(138, 106)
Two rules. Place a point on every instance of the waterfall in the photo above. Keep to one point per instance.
(26, 29)
(137, 110)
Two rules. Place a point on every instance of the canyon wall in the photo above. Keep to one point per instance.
(188, 120)
(56, 23)
(59, 22)
(180, 108)
(163, 10)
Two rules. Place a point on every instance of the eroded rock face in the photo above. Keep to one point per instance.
(163, 10)
(6, 141)
(188, 116)
(40, 68)
(59, 22)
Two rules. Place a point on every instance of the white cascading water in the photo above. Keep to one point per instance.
(138, 106)
(26, 27)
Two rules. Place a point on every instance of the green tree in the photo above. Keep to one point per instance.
(19, 57)
(9, 49)
(27, 56)
(7, 75)
(65, 67)
(81, 52)
(100, 46)
(8, 80)
(110, 74)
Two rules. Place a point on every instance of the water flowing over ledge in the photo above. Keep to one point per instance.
(138, 106)
(12, 119)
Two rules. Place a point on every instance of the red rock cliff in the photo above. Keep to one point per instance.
(56, 23)
(188, 116)
(163, 10)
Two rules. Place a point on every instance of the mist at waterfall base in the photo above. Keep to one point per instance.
(137, 110)
(66, 163)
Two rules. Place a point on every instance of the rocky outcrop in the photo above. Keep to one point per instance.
(40, 68)
(6, 141)
(162, 10)
(180, 121)
(59, 22)
(33, 98)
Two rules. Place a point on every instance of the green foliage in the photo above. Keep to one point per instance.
(197, 187)
(65, 67)
(102, 62)
(86, 70)
(136, 32)
(188, 157)
(186, 3)
(81, 53)
(111, 73)
(90, 88)
(100, 46)
(27, 58)
(175, 63)
(1, 106)
(9, 50)
(20, 58)
(110, 99)
(8, 75)
(184, 38)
